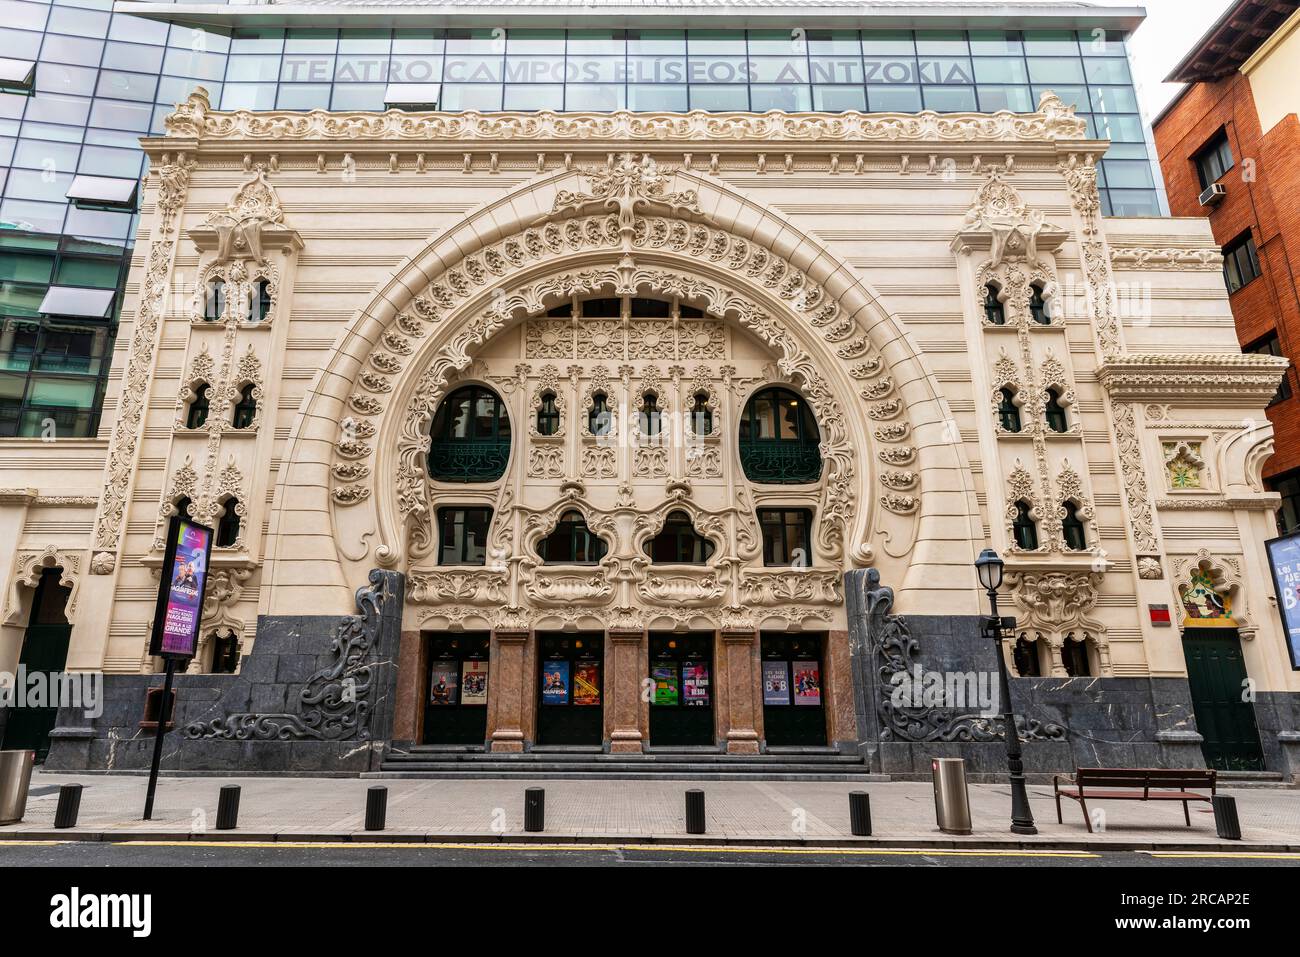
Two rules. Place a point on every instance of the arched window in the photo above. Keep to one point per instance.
(260, 304)
(679, 543)
(1008, 411)
(245, 408)
(779, 438)
(650, 419)
(599, 418)
(994, 311)
(470, 437)
(572, 543)
(1025, 656)
(1055, 412)
(197, 413)
(548, 415)
(214, 301)
(1038, 306)
(701, 415)
(1076, 539)
(228, 525)
(183, 508)
(1024, 528)
(1074, 656)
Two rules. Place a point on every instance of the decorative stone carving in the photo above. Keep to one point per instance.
(1055, 607)
(797, 585)
(29, 566)
(1021, 487)
(470, 586)
(1184, 465)
(253, 210)
(1209, 590)
(1011, 228)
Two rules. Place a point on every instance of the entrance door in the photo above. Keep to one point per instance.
(681, 708)
(570, 688)
(794, 707)
(1217, 676)
(45, 650)
(455, 710)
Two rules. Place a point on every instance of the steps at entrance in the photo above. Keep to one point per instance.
(677, 764)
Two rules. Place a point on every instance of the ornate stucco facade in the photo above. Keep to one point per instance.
(845, 257)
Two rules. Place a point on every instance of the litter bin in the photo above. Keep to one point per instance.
(15, 776)
(951, 799)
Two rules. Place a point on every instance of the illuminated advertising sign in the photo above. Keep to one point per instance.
(1284, 559)
(180, 593)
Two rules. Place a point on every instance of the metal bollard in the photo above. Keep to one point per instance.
(376, 808)
(65, 815)
(694, 811)
(228, 807)
(534, 809)
(860, 813)
(1226, 821)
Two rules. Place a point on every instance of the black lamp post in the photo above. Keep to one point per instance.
(989, 568)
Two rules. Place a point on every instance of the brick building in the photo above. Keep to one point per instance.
(1229, 147)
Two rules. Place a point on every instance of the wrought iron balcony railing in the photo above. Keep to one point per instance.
(453, 460)
(780, 462)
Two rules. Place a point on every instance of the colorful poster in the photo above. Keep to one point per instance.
(1204, 605)
(473, 683)
(1284, 558)
(776, 682)
(444, 679)
(695, 683)
(181, 603)
(807, 682)
(555, 682)
(664, 674)
(586, 683)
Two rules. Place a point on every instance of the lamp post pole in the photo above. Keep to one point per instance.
(1022, 818)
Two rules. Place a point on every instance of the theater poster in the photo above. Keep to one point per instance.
(555, 682)
(807, 682)
(586, 683)
(1284, 559)
(443, 682)
(180, 593)
(695, 683)
(776, 683)
(473, 683)
(664, 674)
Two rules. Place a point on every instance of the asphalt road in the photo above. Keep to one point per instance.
(192, 853)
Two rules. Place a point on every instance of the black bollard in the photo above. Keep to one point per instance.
(694, 811)
(65, 815)
(1225, 817)
(228, 807)
(534, 809)
(376, 808)
(860, 813)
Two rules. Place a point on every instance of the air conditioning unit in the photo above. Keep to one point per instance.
(1213, 194)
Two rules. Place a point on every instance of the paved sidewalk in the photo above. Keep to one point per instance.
(744, 812)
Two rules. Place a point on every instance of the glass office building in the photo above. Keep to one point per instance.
(82, 82)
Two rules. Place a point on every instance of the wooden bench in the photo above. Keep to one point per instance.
(1134, 784)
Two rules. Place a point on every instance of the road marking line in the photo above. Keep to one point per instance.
(1230, 855)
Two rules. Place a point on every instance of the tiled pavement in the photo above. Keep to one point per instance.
(288, 809)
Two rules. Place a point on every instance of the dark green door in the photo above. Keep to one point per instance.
(681, 706)
(455, 710)
(1217, 676)
(794, 703)
(570, 689)
(45, 650)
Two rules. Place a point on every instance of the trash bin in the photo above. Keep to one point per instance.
(15, 776)
(951, 799)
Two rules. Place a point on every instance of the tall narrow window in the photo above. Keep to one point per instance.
(225, 653)
(1024, 528)
(650, 417)
(1008, 411)
(1038, 306)
(214, 301)
(1074, 656)
(1025, 656)
(1076, 540)
(183, 508)
(779, 440)
(701, 415)
(599, 418)
(994, 311)
(197, 413)
(245, 408)
(787, 536)
(462, 534)
(572, 543)
(548, 415)
(679, 543)
(260, 307)
(228, 525)
(1055, 412)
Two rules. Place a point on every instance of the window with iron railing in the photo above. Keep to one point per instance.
(779, 440)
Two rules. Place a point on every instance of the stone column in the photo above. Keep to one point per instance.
(742, 736)
(507, 690)
(625, 687)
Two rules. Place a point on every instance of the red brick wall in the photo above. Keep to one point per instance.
(1269, 206)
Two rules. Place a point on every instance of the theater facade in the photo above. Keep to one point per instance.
(640, 431)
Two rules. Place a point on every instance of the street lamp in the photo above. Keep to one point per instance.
(989, 569)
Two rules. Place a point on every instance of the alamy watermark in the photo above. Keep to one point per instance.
(83, 690)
